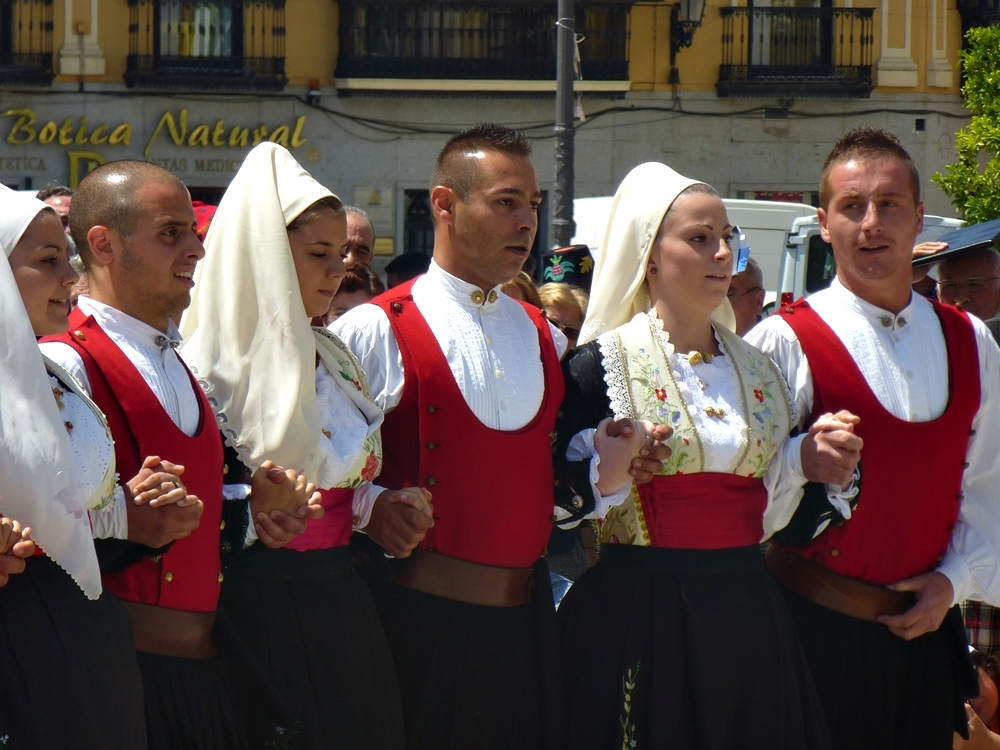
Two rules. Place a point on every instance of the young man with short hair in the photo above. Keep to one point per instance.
(873, 583)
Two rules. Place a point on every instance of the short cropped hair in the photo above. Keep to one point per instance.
(358, 212)
(54, 191)
(455, 170)
(753, 274)
(109, 196)
(866, 144)
(329, 203)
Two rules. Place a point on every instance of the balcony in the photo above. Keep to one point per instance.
(217, 45)
(796, 52)
(26, 43)
(978, 13)
(453, 39)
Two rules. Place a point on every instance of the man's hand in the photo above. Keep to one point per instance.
(400, 520)
(922, 251)
(934, 594)
(831, 450)
(158, 525)
(159, 483)
(296, 497)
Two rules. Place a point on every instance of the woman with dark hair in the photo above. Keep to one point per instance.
(286, 392)
(360, 285)
(688, 640)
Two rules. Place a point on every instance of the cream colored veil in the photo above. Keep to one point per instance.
(247, 338)
(619, 292)
(35, 474)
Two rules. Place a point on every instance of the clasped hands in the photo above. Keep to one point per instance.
(630, 450)
(161, 510)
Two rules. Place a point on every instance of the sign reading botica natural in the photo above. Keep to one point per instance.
(26, 130)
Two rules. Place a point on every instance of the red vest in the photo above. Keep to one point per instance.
(493, 490)
(706, 510)
(911, 472)
(189, 575)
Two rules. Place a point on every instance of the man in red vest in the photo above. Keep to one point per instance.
(471, 383)
(873, 582)
(135, 230)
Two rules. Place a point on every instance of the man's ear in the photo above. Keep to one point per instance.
(824, 230)
(443, 200)
(102, 243)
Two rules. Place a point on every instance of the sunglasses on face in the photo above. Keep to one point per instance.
(569, 331)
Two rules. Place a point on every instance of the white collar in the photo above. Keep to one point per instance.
(466, 294)
(876, 316)
(114, 320)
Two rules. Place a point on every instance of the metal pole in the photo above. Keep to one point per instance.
(563, 227)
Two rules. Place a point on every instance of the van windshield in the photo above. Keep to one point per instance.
(820, 265)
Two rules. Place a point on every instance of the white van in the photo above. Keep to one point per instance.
(807, 264)
(765, 223)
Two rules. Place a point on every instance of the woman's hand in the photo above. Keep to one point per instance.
(15, 545)
(274, 488)
(980, 738)
(617, 444)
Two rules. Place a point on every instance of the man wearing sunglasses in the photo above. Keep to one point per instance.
(746, 295)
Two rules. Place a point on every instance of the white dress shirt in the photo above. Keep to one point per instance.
(152, 353)
(903, 358)
(491, 348)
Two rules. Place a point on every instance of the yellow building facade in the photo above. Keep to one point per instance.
(365, 93)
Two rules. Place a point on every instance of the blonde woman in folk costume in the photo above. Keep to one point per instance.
(287, 392)
(679, 638)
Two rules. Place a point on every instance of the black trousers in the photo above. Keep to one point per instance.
(880, 692)
(472, 676)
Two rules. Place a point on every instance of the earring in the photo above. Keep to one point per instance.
(653, 270)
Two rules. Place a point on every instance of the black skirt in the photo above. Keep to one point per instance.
(880, 692)
(310, 621)
(473, 676)
(69, 673)
(693, 649)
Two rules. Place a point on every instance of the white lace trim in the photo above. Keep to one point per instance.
(615, 376)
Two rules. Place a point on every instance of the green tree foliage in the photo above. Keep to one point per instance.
(973, 182)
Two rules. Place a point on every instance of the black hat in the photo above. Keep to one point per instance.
(964, 241)
(569, 265)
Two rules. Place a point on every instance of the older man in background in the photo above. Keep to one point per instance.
(360, 238)
(746, 295)
(972, 282)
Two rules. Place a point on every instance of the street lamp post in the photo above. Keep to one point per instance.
(563, 226)
(685, 17)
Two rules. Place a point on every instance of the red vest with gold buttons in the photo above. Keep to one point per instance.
(189, 575)
(911, 472)
(493, 490)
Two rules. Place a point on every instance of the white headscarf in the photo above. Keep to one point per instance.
(35, 477)
(618, 291)
(247, 336)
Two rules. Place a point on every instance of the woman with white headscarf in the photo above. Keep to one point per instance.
(70, 677)
(678, 637)
(294, 394)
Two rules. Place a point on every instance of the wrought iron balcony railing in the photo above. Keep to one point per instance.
(769, 52)
(457, 39)
(207, 44)
(26, 43)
